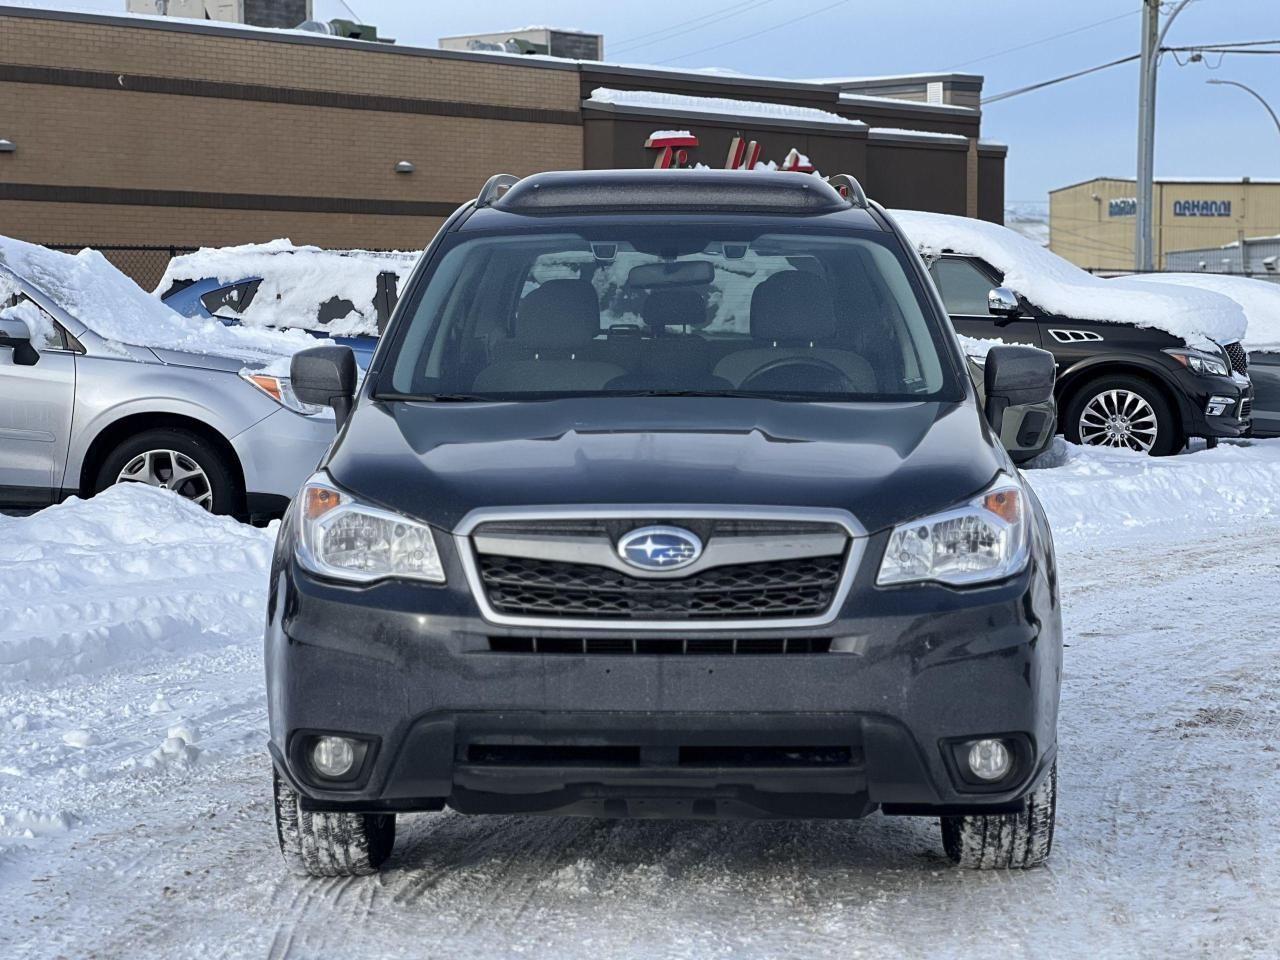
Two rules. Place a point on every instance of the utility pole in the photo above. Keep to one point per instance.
(1152, 40)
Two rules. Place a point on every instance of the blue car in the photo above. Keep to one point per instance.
(343, 295)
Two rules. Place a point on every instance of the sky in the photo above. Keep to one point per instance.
(1067, 133)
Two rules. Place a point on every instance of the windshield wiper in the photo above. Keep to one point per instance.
(438, 397)
(741, 394)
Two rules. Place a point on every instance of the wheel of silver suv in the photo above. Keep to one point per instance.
(173, 459)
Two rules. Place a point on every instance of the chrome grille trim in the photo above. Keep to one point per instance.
(857, 540)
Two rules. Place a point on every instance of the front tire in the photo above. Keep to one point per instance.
(176, 460)
(1005, 841)
(1123, 412)
(324, 844)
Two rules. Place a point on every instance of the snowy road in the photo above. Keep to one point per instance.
(134, 814)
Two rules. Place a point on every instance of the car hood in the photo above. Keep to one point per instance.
(202, 361)
(883, 462)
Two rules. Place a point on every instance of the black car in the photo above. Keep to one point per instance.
(667, 493)
(1119, 384)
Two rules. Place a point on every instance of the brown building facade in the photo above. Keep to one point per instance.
(132, 131)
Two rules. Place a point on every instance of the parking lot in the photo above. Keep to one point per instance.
(136, 800)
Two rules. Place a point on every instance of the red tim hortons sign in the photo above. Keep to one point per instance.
(673, 148)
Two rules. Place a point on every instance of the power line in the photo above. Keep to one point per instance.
(757, 33)
(1036, 43)
(691, 25)
(1049, 83)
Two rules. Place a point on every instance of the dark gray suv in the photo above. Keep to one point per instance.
(666, 494)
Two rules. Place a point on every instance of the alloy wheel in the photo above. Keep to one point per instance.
(1119, 418)
(170, 470)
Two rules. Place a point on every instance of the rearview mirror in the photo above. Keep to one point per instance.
(1003, 302)
(684, 273)
(1018, 385)
(325, 376)
(15, 334)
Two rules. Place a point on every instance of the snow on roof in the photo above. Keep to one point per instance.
(716, 105)
(1260, 300)
(1060, 287)
(115, 308)
(296, 281)
(923, 134)
(903, 102)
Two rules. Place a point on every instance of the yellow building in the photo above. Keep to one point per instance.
(1092, 223)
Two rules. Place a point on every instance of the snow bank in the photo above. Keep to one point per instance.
(676, 103)
(296, 281)
(1095, 493)
(1059, 287)
(135, 570)
(1260, 300)
(93, 291)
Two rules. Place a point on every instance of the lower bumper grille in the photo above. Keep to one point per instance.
(663, 646)
(1246, 409)
(785, 589)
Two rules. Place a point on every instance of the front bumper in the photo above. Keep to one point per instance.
(409, 669)
(278, 453)
(1203, 398)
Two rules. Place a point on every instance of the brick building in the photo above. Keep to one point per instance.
(144, 131)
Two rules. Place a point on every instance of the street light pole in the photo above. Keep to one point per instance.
(1252, 92)
(1152, 40)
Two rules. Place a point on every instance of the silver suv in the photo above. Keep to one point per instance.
(81, 408)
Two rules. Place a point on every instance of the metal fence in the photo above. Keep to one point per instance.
(145, 265)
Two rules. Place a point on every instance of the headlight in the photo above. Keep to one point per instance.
(1203, 364)
(342, 538)
(280, 390)
(982, 540)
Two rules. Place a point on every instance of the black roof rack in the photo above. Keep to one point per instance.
(849, 188)
(622, 191)
(495, 187)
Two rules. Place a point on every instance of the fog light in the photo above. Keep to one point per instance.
(335, 757)
(1217, 406)
(990, 759)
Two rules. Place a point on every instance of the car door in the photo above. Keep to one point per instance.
(36, 402)
(964, 283)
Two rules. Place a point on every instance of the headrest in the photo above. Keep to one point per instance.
(560, 313)
(674, 308)
(793, 306)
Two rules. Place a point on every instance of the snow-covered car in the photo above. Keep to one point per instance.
(343, 295)
(101, 384)
(1140, 366)
(1260, 349)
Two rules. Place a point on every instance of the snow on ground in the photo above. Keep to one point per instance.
(1057, 286)
(87, 287)
(296, 281)
(135, 819)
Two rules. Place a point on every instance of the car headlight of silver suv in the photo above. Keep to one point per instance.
(280, 389)
(1201, 363)
(342, 538)
(978, 541)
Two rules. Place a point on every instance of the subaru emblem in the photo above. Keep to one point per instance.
(660, 548)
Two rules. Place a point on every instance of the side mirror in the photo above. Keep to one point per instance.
(325, 376)
(15, 334)
(1003, 302)
(1018, 384)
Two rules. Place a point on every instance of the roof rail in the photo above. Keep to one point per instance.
(495, 187)
(849, 188)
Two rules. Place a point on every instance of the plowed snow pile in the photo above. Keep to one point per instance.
(135, 819)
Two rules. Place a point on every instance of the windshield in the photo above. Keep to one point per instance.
(669, 310)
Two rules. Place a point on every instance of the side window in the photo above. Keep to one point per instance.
(46, 334)
(963, 286)
(234, 298)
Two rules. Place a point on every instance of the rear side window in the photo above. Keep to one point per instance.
(963, 286)
(654, 309)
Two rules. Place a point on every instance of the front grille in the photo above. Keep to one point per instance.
(1239, 358)
(520, 586)
(663, 646)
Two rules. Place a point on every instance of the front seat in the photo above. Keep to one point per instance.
(792, 317)
(554, 325)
